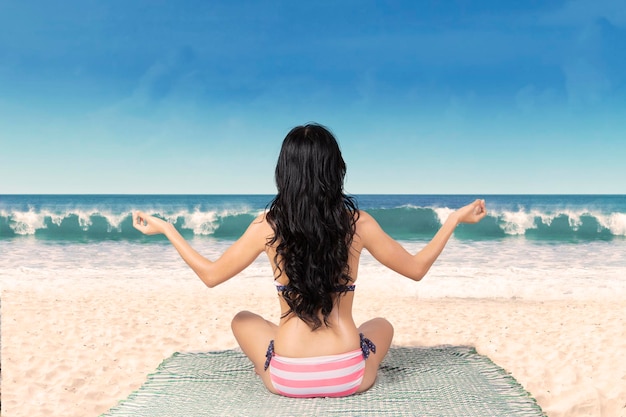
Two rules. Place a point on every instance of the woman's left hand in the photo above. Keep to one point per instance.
(473, 212)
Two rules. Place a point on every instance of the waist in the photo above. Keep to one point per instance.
(295, 339)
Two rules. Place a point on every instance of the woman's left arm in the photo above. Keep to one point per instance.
(235, 259)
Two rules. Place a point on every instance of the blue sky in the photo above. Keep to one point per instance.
(474, 97)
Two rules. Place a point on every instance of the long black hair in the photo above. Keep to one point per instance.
(314, 222)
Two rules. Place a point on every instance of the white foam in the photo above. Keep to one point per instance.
(616, 223)
(443, 213)
(27, 222)
(512, 268)
(517, 223)
(114, 221)
(202, 223)
(84, 219)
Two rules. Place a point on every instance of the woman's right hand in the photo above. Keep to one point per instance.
(149, 225)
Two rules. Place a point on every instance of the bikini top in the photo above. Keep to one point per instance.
(339, 288)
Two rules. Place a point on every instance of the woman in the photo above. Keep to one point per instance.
(313, 235)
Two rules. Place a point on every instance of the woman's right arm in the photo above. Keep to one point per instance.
(393, 255)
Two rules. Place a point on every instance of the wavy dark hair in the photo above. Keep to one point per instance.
(314, 223)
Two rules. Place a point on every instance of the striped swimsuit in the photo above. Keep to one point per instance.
(320, 376)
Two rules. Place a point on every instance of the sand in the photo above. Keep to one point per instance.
(77, 352)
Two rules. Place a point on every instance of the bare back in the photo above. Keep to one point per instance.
(296, 339)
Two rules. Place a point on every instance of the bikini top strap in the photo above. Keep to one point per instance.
(341, 288)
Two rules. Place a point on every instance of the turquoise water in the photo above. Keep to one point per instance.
(529, 246)
(81, 218)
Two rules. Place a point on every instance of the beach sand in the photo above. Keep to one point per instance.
(77, 352)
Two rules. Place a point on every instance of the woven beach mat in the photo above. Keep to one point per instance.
(435, 381)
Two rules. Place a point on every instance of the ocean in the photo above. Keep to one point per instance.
(539, 247)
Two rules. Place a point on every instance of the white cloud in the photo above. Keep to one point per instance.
(585, 82)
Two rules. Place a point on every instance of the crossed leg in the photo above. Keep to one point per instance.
(254, 333)
(380, 332)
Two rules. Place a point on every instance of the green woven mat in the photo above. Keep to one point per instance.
(441, 381)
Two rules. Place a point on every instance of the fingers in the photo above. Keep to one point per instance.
(480, 210)
(479, 207)
(473, 212)
(139, 219)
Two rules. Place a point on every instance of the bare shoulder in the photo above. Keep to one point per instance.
(364, 216)
(260, 224)
(256, 235)
(260, 228)
(365, 221)
(369, 232)
(365, 225)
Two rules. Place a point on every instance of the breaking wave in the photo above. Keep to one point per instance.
(406, 222)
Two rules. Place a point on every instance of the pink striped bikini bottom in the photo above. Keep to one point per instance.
(320, 376)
